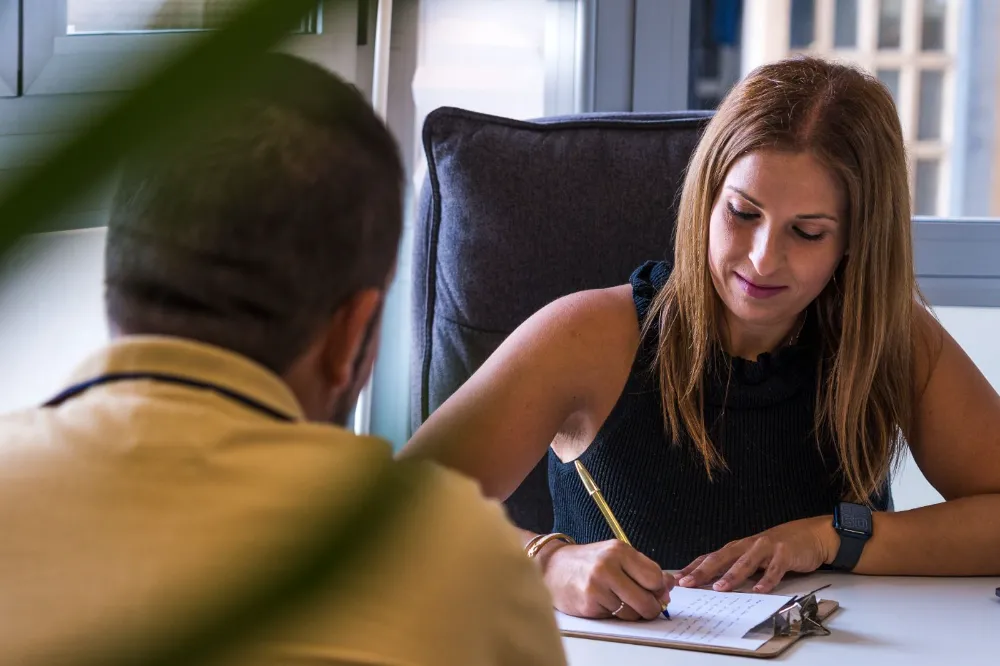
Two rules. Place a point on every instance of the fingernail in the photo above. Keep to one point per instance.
(721, 586)
(687, 580)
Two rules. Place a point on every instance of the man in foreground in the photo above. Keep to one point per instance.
(247, 262)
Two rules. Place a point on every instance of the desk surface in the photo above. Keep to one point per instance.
(883, 621)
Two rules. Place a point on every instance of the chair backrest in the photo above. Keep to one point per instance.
(516, 214)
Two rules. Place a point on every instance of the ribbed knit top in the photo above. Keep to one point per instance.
(762, 422)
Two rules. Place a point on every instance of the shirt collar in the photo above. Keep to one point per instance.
(191, 360)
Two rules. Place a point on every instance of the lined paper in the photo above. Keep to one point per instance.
(699, 617)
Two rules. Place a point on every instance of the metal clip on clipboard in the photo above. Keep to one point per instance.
(798, 618)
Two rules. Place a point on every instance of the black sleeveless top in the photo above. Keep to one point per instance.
(763, 425)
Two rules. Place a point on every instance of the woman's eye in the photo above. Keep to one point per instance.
(808, 237)
(743, 215)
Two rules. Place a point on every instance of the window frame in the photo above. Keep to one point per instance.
(638, 59)
(55, 62)
(955, 260)
(10, 26)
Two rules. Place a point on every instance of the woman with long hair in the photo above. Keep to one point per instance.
(742, 406)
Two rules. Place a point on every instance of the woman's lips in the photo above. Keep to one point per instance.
(758, 290)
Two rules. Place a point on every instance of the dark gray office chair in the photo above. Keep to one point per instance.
(516, 214)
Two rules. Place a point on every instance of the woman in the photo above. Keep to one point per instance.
(729, 402)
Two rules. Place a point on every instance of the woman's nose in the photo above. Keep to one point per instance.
(767, 253)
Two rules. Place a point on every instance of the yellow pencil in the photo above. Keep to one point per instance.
(602, 505)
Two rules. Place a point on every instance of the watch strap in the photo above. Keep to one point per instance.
(849, 552)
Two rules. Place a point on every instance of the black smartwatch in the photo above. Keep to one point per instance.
(853, 522)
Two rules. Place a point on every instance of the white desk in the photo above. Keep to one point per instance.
(881, 621)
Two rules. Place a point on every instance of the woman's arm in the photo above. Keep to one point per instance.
(956, 444)
(955, 441)
(554, 381)
(560, 371)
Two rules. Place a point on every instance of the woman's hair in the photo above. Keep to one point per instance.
(847, 120)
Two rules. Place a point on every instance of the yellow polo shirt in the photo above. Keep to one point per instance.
(138, 496)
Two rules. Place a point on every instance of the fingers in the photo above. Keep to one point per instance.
(591, 581)
(626, 614)
(775, 572)
(613, 606)
(788, 547)
(708, 567)
(645, 587)
(644, 571)
(644, 602)
(745, 565)
(619, 595)
(691, 567)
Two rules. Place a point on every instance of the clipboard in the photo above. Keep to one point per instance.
(772, 648)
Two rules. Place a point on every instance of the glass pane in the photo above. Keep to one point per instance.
(932, 31)
(845, 24)
(715, 52)
(803, 24)
(926, 187)
(512, 58)
(890, 77)
(931, 91)
(102, 16)
(968, 121)
(890, 20)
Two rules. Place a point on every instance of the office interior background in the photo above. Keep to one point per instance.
(61, 60)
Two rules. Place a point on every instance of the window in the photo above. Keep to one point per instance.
(111, 16)
(925, 187)
(803, 24)
(94, 47)
(890, 24)
(929, 109)
(934, 19)
(512, 58)
(946, 88)
(85, 46)
(845, 24)
(8, 47)
(890, 77)
(940, 60)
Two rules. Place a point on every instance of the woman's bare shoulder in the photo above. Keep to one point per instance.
(596, 325)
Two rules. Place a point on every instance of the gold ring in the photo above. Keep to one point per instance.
(620, 609)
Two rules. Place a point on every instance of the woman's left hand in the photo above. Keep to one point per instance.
(801, 546)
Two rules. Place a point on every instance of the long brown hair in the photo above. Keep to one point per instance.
(847, 120)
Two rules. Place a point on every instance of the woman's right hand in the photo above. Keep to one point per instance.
(593, 580)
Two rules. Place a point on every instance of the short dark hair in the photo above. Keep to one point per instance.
(259, 219)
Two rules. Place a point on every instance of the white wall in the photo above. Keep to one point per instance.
(51, 314)
(52, 317)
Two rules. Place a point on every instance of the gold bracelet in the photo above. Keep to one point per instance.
(535, 545)
(532, 542)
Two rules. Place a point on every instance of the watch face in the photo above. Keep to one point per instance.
(854, 518)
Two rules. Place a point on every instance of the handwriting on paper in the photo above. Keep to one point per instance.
(700, 617)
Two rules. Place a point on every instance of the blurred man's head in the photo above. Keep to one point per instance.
(270, 228)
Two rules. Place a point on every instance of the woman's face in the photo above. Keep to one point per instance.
(777, 233)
